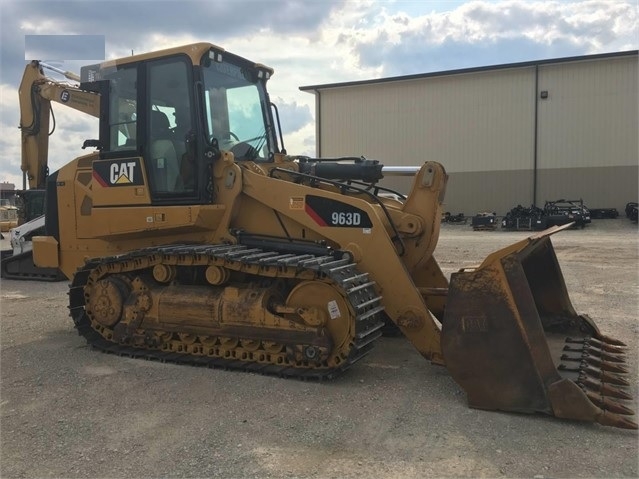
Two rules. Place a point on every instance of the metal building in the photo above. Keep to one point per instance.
(518, 133)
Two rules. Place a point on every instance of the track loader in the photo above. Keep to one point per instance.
(190, 235)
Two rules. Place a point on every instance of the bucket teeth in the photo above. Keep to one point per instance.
(611, 391)
(586, 368)
(612, 367)
(604, 389)
(614, 420)
(604, 377)
(592, 350)
(616, 347)
(610, 357)
(609, 348)
(597, 363)
(614, 379)
(611, 341)
(609, 405)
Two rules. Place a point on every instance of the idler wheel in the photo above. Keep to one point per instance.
(106, 300)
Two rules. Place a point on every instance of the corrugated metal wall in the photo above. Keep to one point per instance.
(450, 119)
(588, 118)
(588, 131)
(481, 126)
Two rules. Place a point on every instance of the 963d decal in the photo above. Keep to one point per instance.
(126, 172)
(328, 212)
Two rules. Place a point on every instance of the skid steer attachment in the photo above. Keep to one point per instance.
(513, 341)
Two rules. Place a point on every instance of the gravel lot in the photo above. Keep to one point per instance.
(69, 411)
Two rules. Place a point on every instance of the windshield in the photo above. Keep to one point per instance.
(236, 110)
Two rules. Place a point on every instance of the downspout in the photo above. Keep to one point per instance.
(318, 123)
(534, 199)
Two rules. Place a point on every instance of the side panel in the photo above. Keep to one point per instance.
(83, 230)
(147, 221)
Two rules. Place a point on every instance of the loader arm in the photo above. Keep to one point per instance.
(372, 247)
(36, 93)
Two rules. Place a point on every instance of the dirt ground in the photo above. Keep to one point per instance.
(69, 411)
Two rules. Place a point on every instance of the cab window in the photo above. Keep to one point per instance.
(123, 109)
(170, 159)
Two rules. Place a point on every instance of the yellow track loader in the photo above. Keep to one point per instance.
(190, 235)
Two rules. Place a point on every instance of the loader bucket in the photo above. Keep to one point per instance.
(512, 340)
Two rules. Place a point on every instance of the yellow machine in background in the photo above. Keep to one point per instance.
(8, 217)
(190, 235)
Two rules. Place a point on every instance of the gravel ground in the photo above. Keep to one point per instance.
(68, 411)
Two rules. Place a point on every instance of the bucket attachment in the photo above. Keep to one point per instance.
(512, 340)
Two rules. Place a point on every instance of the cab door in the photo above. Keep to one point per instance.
(151, 155)
(145, 180)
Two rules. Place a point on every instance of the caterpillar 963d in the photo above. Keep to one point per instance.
(190, 235)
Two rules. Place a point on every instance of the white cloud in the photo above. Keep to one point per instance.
(515, 30)
(302, 142)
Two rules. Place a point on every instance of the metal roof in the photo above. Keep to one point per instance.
(470, 70)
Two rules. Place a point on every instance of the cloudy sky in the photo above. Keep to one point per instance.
(307, 42)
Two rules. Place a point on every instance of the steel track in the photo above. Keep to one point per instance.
(342, 273)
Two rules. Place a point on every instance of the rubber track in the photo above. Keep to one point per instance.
(343, 273)
(21, 267)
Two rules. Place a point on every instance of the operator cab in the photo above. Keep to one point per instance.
(175, 127)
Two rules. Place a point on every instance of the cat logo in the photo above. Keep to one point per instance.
(125, 172)
(122, 173)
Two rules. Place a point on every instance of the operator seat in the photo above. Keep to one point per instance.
(164, 160)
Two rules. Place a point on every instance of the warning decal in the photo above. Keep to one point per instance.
(296, 203)
(333, 310)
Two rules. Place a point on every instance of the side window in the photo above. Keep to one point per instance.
(170, 158)
(236, 120)
(123, 109)
(245, 115)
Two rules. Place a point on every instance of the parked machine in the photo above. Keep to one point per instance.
(561, 212)
(30, 204)
(8, 217)
(524, 218)
(17, 262)
(632, 209)
(190, 235)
